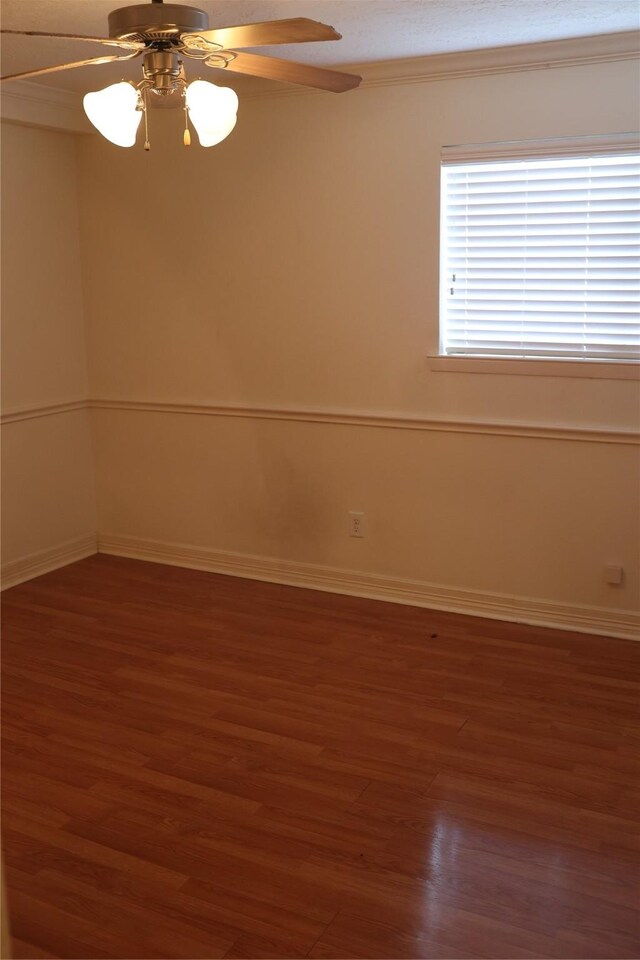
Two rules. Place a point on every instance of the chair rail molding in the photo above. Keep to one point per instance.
(504, 428)
(44, 410)
(377, 419)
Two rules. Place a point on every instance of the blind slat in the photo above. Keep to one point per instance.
(542, 257)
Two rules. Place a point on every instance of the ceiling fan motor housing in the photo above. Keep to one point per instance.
(163, 69)
(149, 22)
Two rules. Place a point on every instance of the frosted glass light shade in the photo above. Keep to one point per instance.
(212, 110)
(113, 112)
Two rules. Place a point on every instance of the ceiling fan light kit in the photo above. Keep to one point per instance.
(114, 112)
(164, 34)
(212, 110)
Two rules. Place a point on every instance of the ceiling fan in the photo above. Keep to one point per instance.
(166, 33)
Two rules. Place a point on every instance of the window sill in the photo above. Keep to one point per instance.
(593, 369)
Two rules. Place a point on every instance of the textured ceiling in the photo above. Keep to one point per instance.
(371, 29)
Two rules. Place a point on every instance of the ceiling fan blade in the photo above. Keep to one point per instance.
(271, 32)
(66, 66)
(127, 44)
(269, 68)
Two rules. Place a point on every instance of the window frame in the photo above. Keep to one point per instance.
(600, 368)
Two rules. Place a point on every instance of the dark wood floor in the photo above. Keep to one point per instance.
(198, 766)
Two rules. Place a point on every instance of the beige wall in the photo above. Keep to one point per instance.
(296, 264)
(48, 496)
(237, 295)
(296, 267)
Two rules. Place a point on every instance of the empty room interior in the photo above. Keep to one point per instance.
(320, 479)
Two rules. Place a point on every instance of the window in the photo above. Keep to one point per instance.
(540, 254)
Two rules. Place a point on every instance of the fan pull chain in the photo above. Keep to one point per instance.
(147, 145)
(187, 135)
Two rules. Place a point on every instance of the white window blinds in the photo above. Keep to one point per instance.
(541, 257)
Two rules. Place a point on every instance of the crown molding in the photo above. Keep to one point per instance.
(576, 51)
(35, 104)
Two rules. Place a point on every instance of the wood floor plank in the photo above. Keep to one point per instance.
(27, 951)
(48, 800)
(55, 841)
(57, 932)
(260, 948)
(431, 933)
(147, 932)
(201, 766)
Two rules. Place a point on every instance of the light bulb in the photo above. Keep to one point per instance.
(212, 110)
(113, 112)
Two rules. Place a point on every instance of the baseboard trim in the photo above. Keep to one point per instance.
(44, 561)
(543, 613)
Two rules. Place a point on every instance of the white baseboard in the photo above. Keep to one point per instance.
(44, 561)
(544, 613)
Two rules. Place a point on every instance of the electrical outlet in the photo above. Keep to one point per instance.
(356, 523)
(613, 574)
